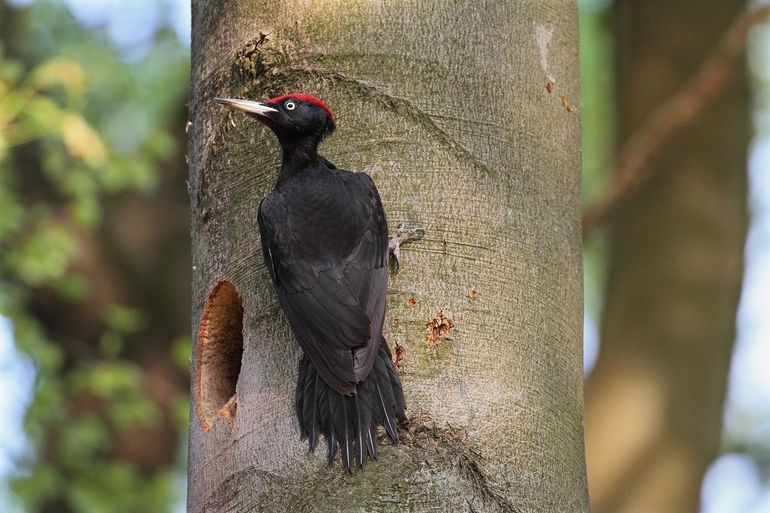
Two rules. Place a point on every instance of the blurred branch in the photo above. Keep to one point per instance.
(631, 168)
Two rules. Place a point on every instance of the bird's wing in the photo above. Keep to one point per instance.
(327, 253)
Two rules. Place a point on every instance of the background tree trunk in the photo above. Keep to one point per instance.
(654, 400)
(463, 113)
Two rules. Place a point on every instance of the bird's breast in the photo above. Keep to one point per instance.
(323, 220)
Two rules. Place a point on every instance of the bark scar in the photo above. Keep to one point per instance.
(451, 444)
(400, 106)
(439, 328)
(399, 355)
(544, 35)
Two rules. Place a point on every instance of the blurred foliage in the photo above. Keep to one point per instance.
(598, 111)
(597, 86)
(97, 125)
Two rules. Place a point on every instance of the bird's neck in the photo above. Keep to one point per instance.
(299, 156)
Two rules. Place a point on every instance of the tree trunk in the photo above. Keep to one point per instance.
(463, 113)
(654, 400)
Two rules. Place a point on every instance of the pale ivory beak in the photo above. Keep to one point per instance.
(249, 106)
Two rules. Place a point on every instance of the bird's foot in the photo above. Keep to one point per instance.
(402, 236)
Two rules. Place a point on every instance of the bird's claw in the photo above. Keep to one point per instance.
(402, 236)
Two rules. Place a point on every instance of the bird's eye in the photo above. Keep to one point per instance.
(290, 105)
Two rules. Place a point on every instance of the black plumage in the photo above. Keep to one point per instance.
(325, 243)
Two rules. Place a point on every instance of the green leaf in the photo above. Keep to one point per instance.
(44, 254)
(84, 437)
(124, 319)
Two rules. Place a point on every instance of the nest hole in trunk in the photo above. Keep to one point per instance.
(219, 352)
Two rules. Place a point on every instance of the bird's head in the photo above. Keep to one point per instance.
(295, 119)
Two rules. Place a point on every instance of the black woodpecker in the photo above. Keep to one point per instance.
(325, 243)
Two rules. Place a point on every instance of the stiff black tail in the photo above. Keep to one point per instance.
(349, 423)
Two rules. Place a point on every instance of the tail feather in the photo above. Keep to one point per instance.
(367, 425)
(386, 401)
(307, 404)
(345, 440)
(359, 429)
(349, 423)
(299, 393)
(331, 450)
(371, 441)
(310, 415)
(384, 418)
(324, 421)
(398, 392)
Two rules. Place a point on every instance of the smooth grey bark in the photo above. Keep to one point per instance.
(654, 401)
(464, 114)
